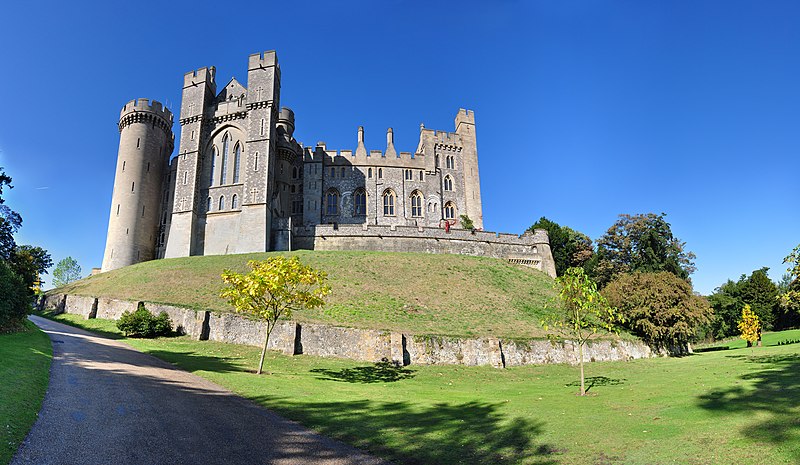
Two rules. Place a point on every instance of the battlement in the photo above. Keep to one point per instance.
(263, 60)
(147, 105)
(465, 116)
(205, 74)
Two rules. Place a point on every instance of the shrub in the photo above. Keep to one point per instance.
(14, 300)
(142, 323)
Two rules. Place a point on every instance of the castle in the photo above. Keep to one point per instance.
(240, 183)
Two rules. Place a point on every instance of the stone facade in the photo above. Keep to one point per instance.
(368, 345)
(240, 182)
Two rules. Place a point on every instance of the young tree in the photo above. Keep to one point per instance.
(659, 307)
(466, 222)
(272, 290)
(749, 326)
(67, 270)
(583, 314)
(642, 242)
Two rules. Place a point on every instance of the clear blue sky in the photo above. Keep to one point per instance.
(584, 110)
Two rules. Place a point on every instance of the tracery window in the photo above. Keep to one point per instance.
(449, 211)
(451, 162)
(360, 202)
(332, 202)
(416, 204)
(388, 202)
(448, 183)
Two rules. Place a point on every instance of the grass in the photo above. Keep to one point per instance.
(726, 406)
(24, 374)
(414, 293)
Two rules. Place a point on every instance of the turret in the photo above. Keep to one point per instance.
(145, 144)
(465, 127)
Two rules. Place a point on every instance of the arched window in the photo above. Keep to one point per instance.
(451, 162)
(213, 164)
(332, 202)
(449, 211)
(388, 202)
(421, 175)
(448, 183)
(224, 164)
(237, 153)
(234, 202)
(343, 171)
(294, 172)
(221, 202)
(359, 202)
(380, 173)
(369, 173)
(416, 204)
(208, 206)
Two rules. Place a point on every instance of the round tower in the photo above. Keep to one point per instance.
(145, 145)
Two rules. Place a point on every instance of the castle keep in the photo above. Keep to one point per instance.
(240, 183)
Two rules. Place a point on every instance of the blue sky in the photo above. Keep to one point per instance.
(584, 110)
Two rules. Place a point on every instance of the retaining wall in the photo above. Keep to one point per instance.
(366, 345)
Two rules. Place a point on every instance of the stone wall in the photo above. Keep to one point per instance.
(366, 345)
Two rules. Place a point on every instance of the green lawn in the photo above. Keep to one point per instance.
(24, 373)
(717, 407)
(413, 293)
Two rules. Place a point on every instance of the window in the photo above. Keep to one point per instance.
(448, 183)
(359, 202)
(117, 209)
(255, 161)
(297, 207)
(369, 173)
(224, 165)
(332, 202)
(333, 172)
(416, 204)
(294, 172)
(222, 202)
(234, 202)
(388, 202)
(408, 175)
(208, 204)
(237, 153)
(213, 164)
(342, 171)
(449, 211)
(451, 162)
(380, 173)
(421, 175)
(143, 211)
(123, 165)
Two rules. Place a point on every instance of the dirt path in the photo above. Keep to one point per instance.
(108, 403)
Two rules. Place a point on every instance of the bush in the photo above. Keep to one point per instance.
(14, 300)
(142, 323)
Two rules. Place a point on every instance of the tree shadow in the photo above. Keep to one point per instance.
(592, 381)
(192, 361)
(711, 349)
(385, 371)
(775, 392)
(470, 433)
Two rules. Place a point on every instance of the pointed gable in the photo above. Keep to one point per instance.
(232, 91)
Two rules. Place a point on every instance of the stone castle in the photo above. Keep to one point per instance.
(240, 183)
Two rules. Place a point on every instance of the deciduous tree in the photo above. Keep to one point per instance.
(583, 314)
(273, 289)
(659, 307)
(570, 248)
(791, 297)
(67, 270)
(749, 326)
(29, 262)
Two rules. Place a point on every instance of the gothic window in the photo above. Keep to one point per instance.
(449, 211)
(416, 204)
(409, 175)
(224, 164)
(388, 202)
(208, 204)
(213, 164)
(451, 162)
(369, 173)
(237, 153)
(234, 202)
(448, 183)
(221, 202)
(332, 202)
(360, 202)
(380, 173)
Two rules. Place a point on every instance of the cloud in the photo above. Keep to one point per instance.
(42, 188)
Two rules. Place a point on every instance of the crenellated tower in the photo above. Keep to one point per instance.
(145, 145)
(465, 127)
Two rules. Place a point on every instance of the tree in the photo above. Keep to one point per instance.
(29, 262)
(642, 242)
(791, 297)
(14, 301)
(583, 314)
(758, 291)
(761, 294)
(749, 326)
(66, 271)
(570, 248)
(659, 307)
(273, 289)
(466, 222)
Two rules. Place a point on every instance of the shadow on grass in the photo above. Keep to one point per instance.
(472, 432)
(192, 361)
(711, 349)
(775, 392)
(384, 371)
(592, 381)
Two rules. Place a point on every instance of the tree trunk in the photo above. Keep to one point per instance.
(583, 386)
(264, 349)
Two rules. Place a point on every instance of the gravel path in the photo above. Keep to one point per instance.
(109, 404)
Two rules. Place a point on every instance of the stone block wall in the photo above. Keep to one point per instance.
(365, 345)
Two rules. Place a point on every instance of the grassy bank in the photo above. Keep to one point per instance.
(24, 374)
(414, 293)
(724, 406)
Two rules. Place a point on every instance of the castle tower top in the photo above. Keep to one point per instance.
(147, 105)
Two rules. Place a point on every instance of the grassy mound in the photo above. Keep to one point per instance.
(414, 293)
